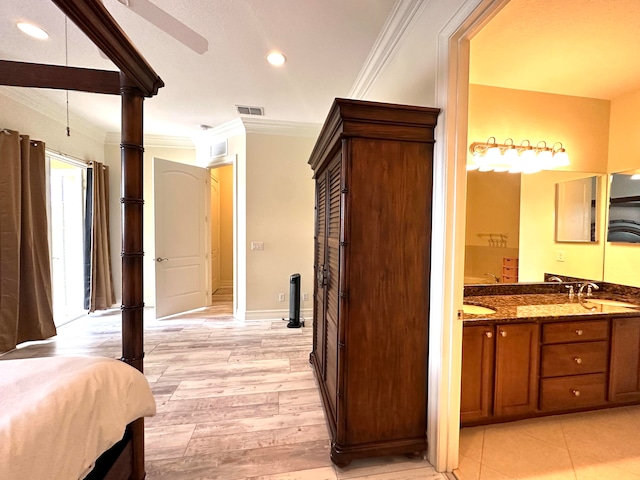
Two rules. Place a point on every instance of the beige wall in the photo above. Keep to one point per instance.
(280, 206)
(582, 125)
(112, 158)
(85, 142)
(622, 261)
(225, 177)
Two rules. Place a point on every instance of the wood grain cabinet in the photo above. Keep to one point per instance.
(478, 347)
(516, 369)
(574, 364)
(372, 165)
(624, 381)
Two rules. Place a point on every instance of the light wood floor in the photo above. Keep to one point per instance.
(236, 400)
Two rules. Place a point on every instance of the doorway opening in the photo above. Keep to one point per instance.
(66, 203)
(221, 245)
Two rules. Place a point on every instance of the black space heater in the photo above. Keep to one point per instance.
(294, 302)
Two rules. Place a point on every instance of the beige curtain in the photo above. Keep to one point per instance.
(26, 311)
(102, 295)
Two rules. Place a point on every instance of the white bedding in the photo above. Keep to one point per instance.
(59, 414)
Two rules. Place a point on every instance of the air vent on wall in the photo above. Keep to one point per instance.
(218, 150)
(246, 110)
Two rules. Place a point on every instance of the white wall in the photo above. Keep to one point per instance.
(280, 213)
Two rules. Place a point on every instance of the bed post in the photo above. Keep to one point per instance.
(131, 148)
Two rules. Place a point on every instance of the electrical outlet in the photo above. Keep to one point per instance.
(281, 297)
(560, 256)
(257, 245)
(305, 296)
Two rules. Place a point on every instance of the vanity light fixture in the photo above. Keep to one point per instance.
(491, 156)
(32, 30)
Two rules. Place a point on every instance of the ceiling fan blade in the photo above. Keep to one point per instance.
(169, 24)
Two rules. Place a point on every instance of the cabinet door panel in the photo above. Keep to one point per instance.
(624, 383)
(319, 321)
(516, 386)
(477, 373)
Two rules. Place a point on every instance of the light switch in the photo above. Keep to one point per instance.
(257, 245)
(560, 256)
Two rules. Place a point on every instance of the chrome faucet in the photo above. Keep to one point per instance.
(495, 278)
(590, 287)
(571, 291)
(554, 278)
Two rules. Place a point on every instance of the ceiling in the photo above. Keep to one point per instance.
(584, 48)
(570, 47)
(326, 43)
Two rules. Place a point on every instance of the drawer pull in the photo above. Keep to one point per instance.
(579, 332)
(503, 333)
(488, 334)
(578, 360)
(576, 393)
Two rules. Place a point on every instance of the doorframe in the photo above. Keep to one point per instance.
(449, 211)
(231, 159)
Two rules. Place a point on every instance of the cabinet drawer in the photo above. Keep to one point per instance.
(573, 359)
(575, 331)
(512, 271)
(509, 278)
(572, 392)
(510, 262)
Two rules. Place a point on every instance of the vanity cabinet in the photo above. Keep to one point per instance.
(499, 371)
(573, 366)
(516, 369)
(372, 165)
(478, 347)
(624, 382)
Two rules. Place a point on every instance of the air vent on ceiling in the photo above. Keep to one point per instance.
(246, 110)
(218, 149)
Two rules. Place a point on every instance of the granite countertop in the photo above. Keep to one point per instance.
(541, 307)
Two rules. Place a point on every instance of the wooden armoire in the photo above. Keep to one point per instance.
(373, 170)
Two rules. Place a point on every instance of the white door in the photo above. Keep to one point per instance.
(215, 233)
(181, 193)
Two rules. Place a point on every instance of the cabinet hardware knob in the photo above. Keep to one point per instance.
(488, 334)
(579, 332)
(578, 360)
(576, 393)
(503, 333)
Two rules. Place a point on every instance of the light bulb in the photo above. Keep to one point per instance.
(545, 159)
(561, 159)
(529, 161)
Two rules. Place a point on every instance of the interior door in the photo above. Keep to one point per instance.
(181, 194)
(215, 233)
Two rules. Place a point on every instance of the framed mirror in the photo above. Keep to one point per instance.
(576, 210)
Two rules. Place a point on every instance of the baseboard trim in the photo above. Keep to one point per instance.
(305, 313)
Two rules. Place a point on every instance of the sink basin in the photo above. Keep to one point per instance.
(612, 303)
(477, 310)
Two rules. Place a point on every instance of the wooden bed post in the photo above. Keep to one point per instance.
(132, 158)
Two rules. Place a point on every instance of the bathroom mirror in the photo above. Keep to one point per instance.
(511, 228)
(624, 208)
(576, 210)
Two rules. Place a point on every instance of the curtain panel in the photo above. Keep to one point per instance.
(101, 293)
(26, 308)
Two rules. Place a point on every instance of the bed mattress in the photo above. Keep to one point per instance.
(59, 414)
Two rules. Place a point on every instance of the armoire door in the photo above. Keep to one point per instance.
(332, 281)
(319, 330)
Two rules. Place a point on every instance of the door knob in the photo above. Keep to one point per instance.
(160, 259)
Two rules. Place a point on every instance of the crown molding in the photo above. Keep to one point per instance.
(33, 99)
(161, 141)
(393, 31)
(281, 127)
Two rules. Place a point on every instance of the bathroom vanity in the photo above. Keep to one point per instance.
(545, 353)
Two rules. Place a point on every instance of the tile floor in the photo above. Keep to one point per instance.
(598, 445)
(236, 400)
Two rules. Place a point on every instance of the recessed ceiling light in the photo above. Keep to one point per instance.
(33, 31)
(276, 58)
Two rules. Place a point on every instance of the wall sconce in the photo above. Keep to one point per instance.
(524, 158)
